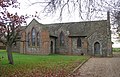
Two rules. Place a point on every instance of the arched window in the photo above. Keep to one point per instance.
(33, 36)
(38, 39)
(28, 39)
(79, 43)
(62, 39)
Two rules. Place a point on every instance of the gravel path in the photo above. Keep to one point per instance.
(100, 67)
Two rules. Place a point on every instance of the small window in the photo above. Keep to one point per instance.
(33, 36)
(62, 39)
(38, 39)
(79, 43)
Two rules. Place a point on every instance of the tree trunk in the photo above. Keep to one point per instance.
(9, 53)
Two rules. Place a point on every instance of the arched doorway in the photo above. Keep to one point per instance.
(97, 48)
(51, 47)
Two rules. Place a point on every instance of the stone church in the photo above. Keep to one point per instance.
(74, 38)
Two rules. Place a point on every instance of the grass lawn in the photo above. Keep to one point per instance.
(39, 66)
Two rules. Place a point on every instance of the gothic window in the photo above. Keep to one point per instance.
(79, 43)
(28, 38)
(33, 36)
(38, 39)
(62, 39)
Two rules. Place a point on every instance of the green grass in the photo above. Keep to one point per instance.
(116, 49)
(39, 66)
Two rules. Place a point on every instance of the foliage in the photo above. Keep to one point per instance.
(39, 66)
(9, 25)
(116, 49)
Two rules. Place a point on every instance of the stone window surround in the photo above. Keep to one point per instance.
(38, 39)
(62, 38)
(79, 42)
(28, 38)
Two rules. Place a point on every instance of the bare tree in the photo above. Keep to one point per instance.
(91, 8)
(9, 26)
